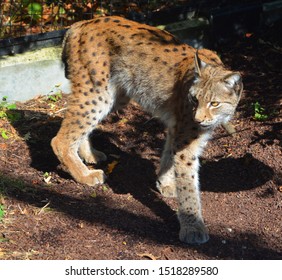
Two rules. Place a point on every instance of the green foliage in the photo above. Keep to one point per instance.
(259, 112)
(4, 134)
(17, 17)
(35, 11)
(7, 111)
(2, 212)
(4, 104)
(55, 94)
(55, 97)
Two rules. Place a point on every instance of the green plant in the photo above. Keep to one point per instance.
(7, 110)
(4, 104)
(55, 94)
(34, 11)
(47, 178)
(259, 112)
(4, 134)
(55, 97)
(2, 212)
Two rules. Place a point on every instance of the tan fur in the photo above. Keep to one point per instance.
(112, 60)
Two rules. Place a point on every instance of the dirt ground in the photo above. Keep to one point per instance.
(47, 215)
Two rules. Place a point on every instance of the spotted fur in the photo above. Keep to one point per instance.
(111, 60)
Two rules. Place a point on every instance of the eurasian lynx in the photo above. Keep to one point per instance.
(111, 60)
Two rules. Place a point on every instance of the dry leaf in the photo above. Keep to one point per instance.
(148, 256)
(22, 211)
(2, 254)
(167, 252)
(3, 146)
(111, 166)
(122, 122)
(80, 225)
(47, 180)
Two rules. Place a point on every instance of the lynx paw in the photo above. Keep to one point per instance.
(194, 233)
(93, 178)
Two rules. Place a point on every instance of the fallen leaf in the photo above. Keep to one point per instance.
(167, 253)
(35, 182)
(3, 146)
(22, 211)
(2, 254)
(80, 225)
(27, 136)
(122, 122)
(111, 166)
(148, 256)
(161, 27)
(47, 180)
(94, 194)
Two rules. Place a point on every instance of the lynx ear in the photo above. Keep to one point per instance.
(198, 64)
(232, 80)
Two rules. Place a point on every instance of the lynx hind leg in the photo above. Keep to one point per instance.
(88, 104)
(66, 151)
(88, 153)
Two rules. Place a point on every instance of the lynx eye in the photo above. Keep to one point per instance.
(215, 104)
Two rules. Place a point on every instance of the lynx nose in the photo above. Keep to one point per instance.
(202, 117)
(198, 118)
(202, 120)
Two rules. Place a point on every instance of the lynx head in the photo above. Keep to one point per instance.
(214, 94)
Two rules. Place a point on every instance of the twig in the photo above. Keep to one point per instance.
(45, 206)
(59, 111)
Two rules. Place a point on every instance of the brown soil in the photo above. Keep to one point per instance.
(50, 216)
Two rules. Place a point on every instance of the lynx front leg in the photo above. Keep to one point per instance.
(192, 227)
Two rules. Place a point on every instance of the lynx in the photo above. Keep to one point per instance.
(110, 61)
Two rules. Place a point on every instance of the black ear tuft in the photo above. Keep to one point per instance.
(199, 65)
